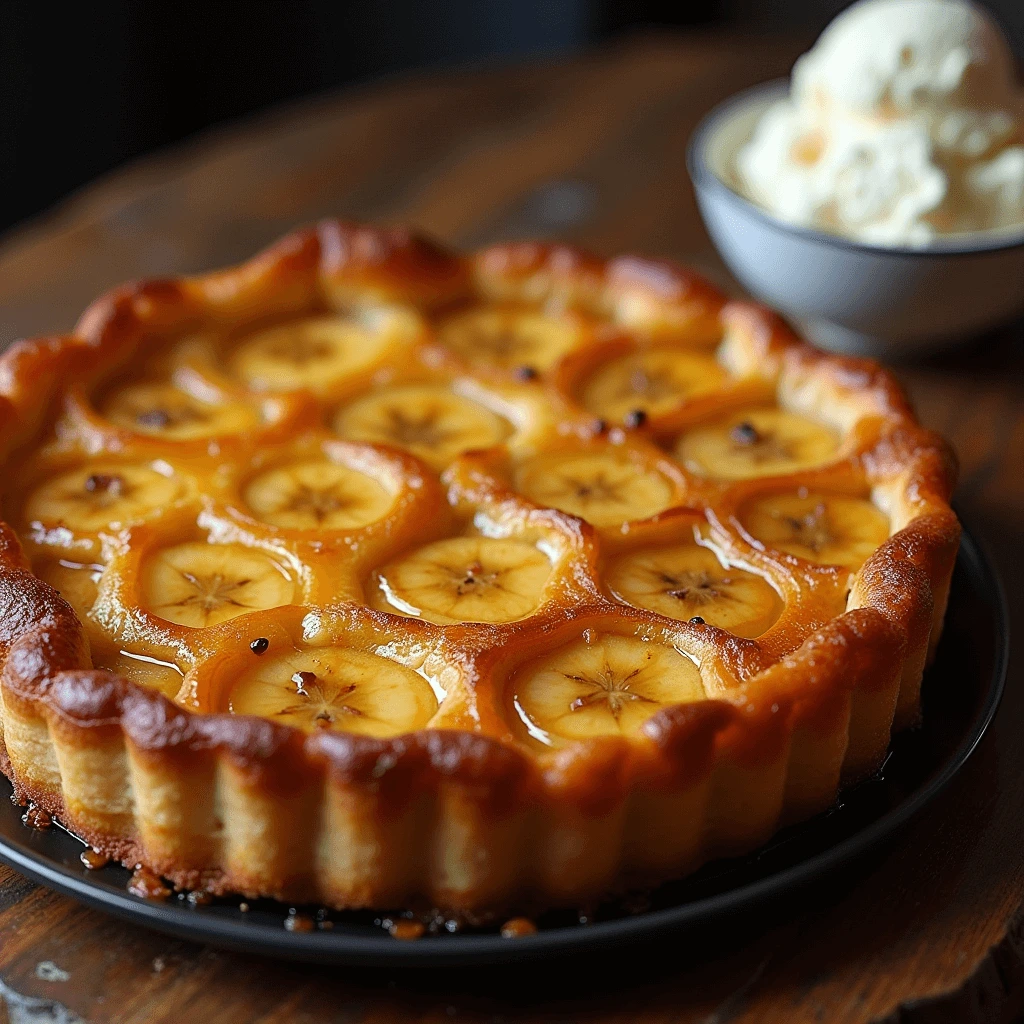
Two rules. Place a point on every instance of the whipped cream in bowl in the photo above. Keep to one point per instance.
(878, 196)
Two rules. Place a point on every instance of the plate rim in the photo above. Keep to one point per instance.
(339, 948)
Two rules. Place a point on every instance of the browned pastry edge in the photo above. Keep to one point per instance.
(468, 823)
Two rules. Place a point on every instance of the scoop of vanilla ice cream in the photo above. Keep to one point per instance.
(904, 122)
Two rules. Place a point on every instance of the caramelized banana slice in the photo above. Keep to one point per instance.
(74, 581)
(757, 442)
(165, 411)
(149, 672)
(432, 422)
(688, 581)
(509, 337)
(466, 579)
(197, 584)
(604, 489)
(825, 528)
(102, 496)
(319, 495)
(315, 354)
(652, 382)
(335, 688)
(611, 685)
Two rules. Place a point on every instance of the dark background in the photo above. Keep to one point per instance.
(86, 86)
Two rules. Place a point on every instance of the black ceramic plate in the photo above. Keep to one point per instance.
(961, 693)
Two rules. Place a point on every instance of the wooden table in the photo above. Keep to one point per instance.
(592, 151)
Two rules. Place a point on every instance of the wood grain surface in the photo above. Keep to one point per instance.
(592, 151)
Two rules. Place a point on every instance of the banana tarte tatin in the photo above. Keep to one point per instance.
(370, 575)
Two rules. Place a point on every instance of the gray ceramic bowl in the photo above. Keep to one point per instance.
(845, 295)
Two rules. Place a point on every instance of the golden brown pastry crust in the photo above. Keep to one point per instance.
(464, 818)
